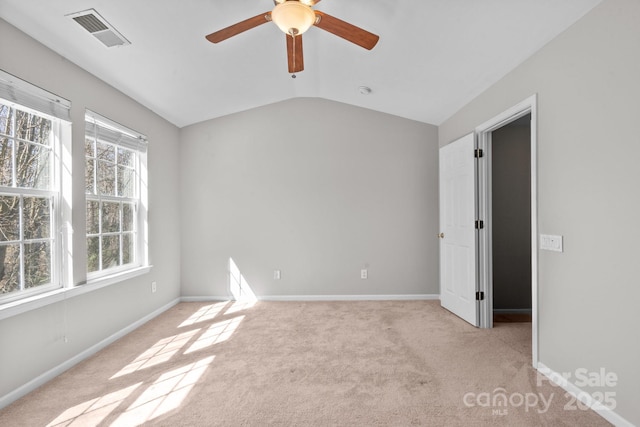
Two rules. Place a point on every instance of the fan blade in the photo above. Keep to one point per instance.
(345, 30)
(294, 53)
(238, 28)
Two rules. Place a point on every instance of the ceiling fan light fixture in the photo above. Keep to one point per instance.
(293, 17)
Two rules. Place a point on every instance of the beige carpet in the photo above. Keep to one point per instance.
(391, 363)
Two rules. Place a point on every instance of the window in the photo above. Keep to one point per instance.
(115, 177)
(30, 189)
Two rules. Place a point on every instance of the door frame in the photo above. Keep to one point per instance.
(485, 261)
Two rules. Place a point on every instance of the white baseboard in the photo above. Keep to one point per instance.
(348, 297)
(206, 298)
(52, 373)
(319, 298)
(584, 397)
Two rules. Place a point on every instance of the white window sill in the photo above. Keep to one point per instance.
(24, 305)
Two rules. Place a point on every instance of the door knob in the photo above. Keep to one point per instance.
(441, 236)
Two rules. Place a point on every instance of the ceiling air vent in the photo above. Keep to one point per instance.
(91, 21)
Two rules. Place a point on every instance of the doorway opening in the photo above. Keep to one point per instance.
(511, 221)
(507, 200)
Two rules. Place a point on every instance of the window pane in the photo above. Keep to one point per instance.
(106, 176)
(105, 152)
(127, 216)
(89, 148)
(93, 217)
(6, 161)
(32, 166)
(110, 217)
(37, 264)
(9, 268)
(32, 128)
(127, 248)
(110, 251)
(89, 176)
(126, 183)
(5, 119)
(93, 254)
(89, 172)
(126, 157)
(9, 218)
(36, 217)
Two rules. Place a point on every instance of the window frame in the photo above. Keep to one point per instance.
(59, 218)
(101, 129)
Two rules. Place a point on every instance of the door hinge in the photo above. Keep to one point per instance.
(479, 296)
(478, 153)
(479, 224)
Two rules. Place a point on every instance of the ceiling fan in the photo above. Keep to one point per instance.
(294, 17)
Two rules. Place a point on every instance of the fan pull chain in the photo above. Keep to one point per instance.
(293, 76)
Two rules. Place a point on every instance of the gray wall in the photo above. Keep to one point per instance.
(588, 87)
(32, 343)
(511, 215)
(317, 189)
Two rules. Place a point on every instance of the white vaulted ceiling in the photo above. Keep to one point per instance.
(433, 56)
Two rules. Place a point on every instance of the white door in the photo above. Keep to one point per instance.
(458, 249)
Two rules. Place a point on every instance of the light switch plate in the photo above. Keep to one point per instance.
(549, 242)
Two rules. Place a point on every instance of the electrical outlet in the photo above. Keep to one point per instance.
(154, 287)
(364, 273)
(276, 274)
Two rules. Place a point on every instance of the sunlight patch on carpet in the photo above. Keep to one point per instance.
(165, 395)
(216, 333)
(94, 411)
(160, 352)
(208, 312)
(240, 306)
